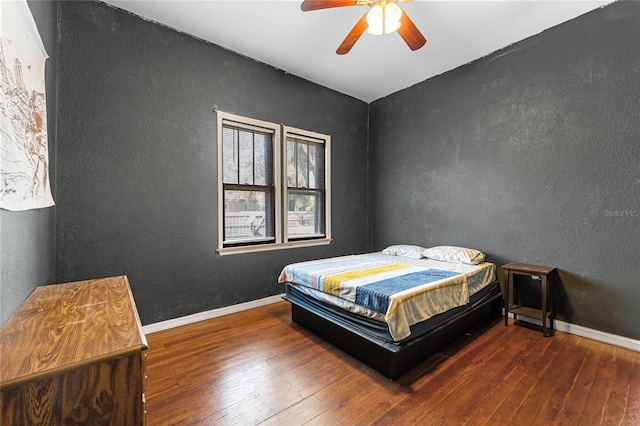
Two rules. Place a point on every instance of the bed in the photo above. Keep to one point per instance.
(395, 308)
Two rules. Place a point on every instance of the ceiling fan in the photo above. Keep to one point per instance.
(383, 17)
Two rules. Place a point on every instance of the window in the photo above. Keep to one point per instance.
(305, 190)
(273, 189)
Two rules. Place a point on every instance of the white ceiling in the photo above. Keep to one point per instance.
(278, 33)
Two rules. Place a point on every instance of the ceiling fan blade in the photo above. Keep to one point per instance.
(308, 5)
(410, 33)
(353, 36)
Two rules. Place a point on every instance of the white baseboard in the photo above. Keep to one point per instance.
(213, 313)
(566, 327)
(589, 333)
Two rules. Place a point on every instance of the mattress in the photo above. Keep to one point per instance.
(449, 286)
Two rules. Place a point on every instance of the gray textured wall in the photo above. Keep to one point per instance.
(137, 175)
(26, 238)
(531, 154)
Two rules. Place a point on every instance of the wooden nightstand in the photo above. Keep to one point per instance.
(536, 272)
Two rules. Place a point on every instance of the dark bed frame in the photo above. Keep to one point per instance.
(393, 360)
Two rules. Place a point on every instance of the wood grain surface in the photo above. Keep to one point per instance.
(74, 354)
(62, 326)
(258, 368)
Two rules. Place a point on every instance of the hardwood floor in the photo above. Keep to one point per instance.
(257, 367)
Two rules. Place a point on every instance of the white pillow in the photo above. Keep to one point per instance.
(404, 250)
(454, 254)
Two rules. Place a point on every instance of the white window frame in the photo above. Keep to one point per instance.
(280, 133)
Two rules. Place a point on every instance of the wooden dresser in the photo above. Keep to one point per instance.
(74, 354)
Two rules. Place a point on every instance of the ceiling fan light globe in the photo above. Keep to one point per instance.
(374, 20)
(391, 27)
(392, 15)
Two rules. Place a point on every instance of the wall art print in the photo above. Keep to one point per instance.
(24, 154)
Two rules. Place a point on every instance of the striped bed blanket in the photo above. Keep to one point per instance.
(405, 294)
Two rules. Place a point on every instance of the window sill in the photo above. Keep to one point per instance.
(269, 247)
